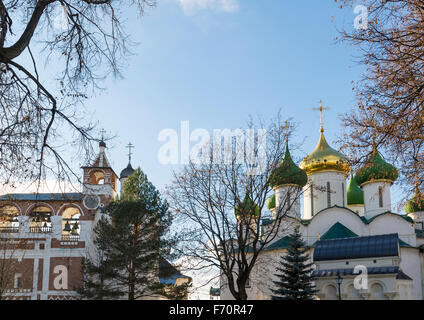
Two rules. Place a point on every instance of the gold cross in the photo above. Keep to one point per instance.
(129, 146)
(320, 109)
(287, 126)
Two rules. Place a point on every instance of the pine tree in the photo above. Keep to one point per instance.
(295, 279)
(129, 243)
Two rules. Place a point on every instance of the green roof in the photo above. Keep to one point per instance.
(355, 195)
(419, 233)
(415, 204)
(375, 169)
(288, 172)
(247, 207)
(271, 202)
(404, 244)
(266, 221)
(283, 243)
(338, 231)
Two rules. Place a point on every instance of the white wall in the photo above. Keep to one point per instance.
(317, 183)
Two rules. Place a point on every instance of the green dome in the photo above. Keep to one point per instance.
(270, 203)
(355, 195)
(376, 169)
(247, 206)
(415, 204)
(287, 172)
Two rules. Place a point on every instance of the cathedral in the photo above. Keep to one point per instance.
(48, 234)
(349, 228)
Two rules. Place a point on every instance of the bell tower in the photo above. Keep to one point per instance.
(99, 181)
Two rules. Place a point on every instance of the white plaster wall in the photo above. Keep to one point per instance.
(359, 209)
(410, 265)
(290, 207)
(393, 223)
(319, 181)
(371, 198)
(326, 219)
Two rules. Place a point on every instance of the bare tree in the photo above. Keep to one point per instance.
(39, 118)
(390, 111)
(219, 204)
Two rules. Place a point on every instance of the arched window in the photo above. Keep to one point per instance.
(330, 292)
(40, 219)
(328, 194)
(343, 194)
(377, 292)
(97, 177)
(71, 226)
(380, 196)
(9, 219)
(352, 293)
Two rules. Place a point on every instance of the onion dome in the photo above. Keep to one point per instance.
(416, 204)
(324, 158)
(270, 203)
(355, 195)
(287, 172)
(126, 172)
(247, 207)
(376, 169)
(102, 144)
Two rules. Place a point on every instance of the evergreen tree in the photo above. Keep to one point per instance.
(129, 244)
(295, 279)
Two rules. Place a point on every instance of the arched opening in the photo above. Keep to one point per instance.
(330, 292)
(71, 226)
(40, 219)
(9, 219)
(377, 292)
(352, 293)
(97, 177)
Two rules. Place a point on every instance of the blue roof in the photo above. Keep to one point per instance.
(386, 245)
(42, 196)
(349, 271)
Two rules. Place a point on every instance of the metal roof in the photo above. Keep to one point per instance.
(386, 245)
(42, 196)
(349, 271)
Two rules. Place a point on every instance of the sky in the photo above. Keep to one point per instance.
(215, 62)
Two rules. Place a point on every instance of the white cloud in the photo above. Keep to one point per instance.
(191, 7)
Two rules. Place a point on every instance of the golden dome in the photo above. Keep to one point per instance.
(324, 158)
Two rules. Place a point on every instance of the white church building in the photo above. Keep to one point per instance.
(345, 225)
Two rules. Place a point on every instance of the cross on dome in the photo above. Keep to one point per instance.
(321, 109)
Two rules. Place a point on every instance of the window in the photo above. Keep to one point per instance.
(343, 192)
(248, 283)
(18, 281)
(380, 196)
(312, 200)
(328, 195)
(71, 226)
(40, 220)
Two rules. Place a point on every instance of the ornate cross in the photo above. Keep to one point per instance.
(287, 126)
(320, 109)
(129, 146)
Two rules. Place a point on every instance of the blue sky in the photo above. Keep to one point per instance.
(218, 64)
(214, 63)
